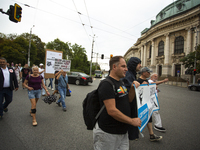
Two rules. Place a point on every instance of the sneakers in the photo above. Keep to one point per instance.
(155, 138)
(49, 88)
(161, 129)
(58, 104)
(64, 109)
(5, 109)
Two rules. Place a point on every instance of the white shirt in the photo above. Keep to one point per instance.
(42, 74)
(150, 81)
(6, 76)
(17, 71)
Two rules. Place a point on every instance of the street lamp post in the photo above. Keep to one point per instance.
(91, 56)
(194, 29)
(29, 49)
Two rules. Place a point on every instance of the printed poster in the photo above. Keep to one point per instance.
(62, 64)
(147, 102)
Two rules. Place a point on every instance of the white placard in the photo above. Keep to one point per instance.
(62, 64)
(147, 102)
(50, 60)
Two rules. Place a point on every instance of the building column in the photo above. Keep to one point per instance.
(166, 50)
(189, 37)
(152, 53)
(145, 54)
(142, 50)
(153, 67)
(166, 66)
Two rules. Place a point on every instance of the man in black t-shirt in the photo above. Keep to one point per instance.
(145, 73)
(111, 129)
(24, 72)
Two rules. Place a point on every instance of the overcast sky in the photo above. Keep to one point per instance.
(117, 24)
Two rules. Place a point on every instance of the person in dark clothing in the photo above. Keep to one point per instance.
(134, 65)
(56, 73)
(25, 71)
(111, 128)
(8, 83)
(145, 73)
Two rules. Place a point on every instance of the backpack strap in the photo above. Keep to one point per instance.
(102, 108)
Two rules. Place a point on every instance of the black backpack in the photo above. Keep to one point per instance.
(91, 106)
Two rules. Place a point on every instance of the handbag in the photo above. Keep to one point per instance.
(68, 92)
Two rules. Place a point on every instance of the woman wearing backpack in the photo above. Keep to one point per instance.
(35, 84)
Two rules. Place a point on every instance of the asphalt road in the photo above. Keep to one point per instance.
(66, 130)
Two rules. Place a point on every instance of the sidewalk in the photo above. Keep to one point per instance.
(180, 84)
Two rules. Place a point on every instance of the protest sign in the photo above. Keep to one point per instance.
(50, 61)
(62, 64)
(147, 102)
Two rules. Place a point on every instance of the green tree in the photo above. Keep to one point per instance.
(60, 46)
(14, 50)
(188, 60)
(40, 51)
(79, 58)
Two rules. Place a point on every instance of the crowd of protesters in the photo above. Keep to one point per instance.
(31, 78)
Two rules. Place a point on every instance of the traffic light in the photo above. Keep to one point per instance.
(111, 56)
(11, 14)
(195, 71)
(102, 56)
(17, 12)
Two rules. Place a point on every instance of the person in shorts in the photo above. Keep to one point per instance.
(35, 83)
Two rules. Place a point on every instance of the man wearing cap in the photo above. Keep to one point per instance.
(41, 72)
(145, 73)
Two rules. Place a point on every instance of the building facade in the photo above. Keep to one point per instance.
(173, 35)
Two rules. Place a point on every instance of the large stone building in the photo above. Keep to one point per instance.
(173, 34)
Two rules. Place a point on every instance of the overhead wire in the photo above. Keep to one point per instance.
(94, 19)
(80, 19)
(77, 21)
(88, 17)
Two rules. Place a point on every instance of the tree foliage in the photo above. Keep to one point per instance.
(59, 46)
(15, 49)
(188, 61)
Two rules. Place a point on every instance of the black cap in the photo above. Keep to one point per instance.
(145, 69)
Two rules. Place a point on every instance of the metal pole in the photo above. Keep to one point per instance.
(29, 49)
(195, 55)
(96, 60)
(91, 56)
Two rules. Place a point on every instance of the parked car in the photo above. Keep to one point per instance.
(79, 78)
(194, 87)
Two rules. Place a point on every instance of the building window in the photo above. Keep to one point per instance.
(179, 45)
(161, 48)
(150, 51)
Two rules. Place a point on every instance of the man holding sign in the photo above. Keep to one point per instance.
(145, 73)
